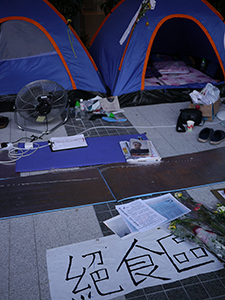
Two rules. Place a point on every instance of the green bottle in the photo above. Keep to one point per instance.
(203, 65)
(77, 110)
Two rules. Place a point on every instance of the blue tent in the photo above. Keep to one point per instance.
(36, 43)
(136, 30)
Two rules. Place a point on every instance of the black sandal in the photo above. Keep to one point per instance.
(205, 135)
(4, 121)
(217, 137)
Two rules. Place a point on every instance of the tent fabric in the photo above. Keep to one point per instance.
(21, 39)
(190, 28)
(36, 43)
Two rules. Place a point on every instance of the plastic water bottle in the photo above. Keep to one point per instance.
(82, 109)
(77, 110)
(203, 65)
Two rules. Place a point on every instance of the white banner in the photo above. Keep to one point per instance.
(109, 267)
(128, 30)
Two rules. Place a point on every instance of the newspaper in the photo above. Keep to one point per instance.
(131, 154)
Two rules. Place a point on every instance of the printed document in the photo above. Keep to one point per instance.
(140, 215)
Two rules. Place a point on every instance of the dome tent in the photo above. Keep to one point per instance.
(124, 42)
(37, 43)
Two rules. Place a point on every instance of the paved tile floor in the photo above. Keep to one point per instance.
(24, 240)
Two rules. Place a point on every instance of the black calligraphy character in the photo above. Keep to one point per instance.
(97, 276)
(101, 275)
(140, 262)
(94, 258)
(75, 290)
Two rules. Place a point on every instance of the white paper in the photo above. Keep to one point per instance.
(166, 205)
(68, 142)
(222, 193)
(140, 215)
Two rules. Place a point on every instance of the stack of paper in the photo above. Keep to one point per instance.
(141, 215)
(68, 142)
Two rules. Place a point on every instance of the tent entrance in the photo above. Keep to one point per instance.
(183, 38)
(19, 39)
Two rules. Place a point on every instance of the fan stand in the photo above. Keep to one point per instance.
(221, 115)
(47, 131)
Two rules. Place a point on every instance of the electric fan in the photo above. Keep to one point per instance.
(41, 101)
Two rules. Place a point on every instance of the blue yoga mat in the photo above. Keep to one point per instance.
(100, 150)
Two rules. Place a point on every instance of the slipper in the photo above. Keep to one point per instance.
(217, 137)
(4, 121)
(112, 120)
(205, 134)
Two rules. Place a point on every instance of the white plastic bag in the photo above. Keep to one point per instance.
(208, 95)
(198, 98)
(211, 92)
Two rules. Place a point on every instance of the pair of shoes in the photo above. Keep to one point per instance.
(4, 121)
(214, 137)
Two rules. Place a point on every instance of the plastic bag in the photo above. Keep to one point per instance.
(208, 95)
(211, 93)
(198, 98)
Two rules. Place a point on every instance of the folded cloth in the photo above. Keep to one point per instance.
(172, 67)
(152, 72)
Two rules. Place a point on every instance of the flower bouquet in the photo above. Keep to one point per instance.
(220, 213)
(214, 219)
(201, 226)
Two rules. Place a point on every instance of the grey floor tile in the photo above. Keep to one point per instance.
(23, 275)
(172, 285)
(220, 274)
(22, 286)
(204, 195)
(177, 294)
(4, 258)
(180, 143)
(190, 280)
(154, 117)
(214, 288)
(153, 289)
(196, 292)
(65, 227)
(62, 228)
(157, 296)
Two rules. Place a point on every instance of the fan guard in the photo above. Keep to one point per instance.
(41, 101)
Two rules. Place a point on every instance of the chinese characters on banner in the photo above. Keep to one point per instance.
(109, 267)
